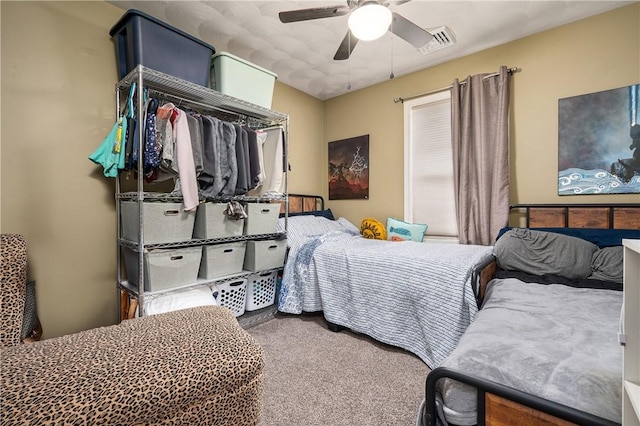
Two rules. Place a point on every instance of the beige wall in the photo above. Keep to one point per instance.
(58, 73)
(58, 104)
(306, 138)
(570, 60)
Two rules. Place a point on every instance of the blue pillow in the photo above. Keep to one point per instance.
(322, 213)
(398, 230)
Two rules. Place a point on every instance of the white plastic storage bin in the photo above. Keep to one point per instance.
(163, 222)
(263, 255)
(261, 290)
(232, 294)
(262, 218)
(241, 79)
(211, 222)
(164, 269)
(222, 259)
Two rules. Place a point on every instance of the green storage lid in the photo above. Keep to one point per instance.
(229, 55)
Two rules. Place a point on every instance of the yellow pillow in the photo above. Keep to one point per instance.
(374, 229)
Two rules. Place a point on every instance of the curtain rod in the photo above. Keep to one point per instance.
(442, 89)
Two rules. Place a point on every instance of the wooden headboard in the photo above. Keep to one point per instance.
(299, 203)
(600, 216)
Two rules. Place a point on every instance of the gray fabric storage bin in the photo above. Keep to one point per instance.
(222, 259)
(164, 268)
(262, 218)
(263, 255)
(211, 222)
(163, 222)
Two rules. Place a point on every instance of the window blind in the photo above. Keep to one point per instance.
(429, 190)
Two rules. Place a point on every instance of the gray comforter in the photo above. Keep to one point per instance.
(553, 341)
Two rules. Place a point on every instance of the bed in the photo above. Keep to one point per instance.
(416, 296)
(544, 347)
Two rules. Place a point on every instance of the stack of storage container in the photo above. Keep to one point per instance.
(163, 223)
(142, 39)
(210, 261)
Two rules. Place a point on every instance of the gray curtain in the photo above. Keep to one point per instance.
(481, 155)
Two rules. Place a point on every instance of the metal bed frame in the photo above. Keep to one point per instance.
(536, 409)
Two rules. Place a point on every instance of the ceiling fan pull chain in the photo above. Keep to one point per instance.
(349, 63)
(391, 76)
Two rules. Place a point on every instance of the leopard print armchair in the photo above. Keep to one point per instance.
(13, 255)
(189, 367)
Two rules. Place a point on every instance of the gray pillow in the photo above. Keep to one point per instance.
(607, 264)
(540, 253)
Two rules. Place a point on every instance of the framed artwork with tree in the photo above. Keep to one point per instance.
(349, 168)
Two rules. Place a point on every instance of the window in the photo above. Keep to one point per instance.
(428, 181)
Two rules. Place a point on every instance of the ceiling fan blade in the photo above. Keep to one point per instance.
(409, 31)
(399, 2)
(346, 47)
(313, 13)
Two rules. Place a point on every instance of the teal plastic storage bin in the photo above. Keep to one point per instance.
(142, 39)
(236, 77)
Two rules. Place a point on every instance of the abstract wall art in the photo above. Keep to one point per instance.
(599, 143)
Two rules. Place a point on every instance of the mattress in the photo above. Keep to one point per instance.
(412, 295)
(553, 341)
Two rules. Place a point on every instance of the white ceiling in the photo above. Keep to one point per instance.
(301, 53)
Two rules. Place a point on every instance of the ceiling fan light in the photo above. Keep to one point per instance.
(370, 21)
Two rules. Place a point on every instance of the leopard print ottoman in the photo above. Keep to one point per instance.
(190, 367)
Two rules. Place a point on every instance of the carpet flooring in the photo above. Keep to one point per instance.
(315, 377)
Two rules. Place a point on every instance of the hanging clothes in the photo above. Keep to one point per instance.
(151, 156)
(111, 153)
(228, 161)
(136, 146)
(242, 154)
(152, 146)
(261, 138)
(195, 131)
(205, 179)
(165, 129)
(188, 184)
(131, 129)
(273, 151)
(254, 160)
(108, 155)
(219, 172)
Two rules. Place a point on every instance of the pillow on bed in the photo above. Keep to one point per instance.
(301, 227)
(321, 213)
(600, 237)
(348, 226)
(373, 229)
(607, 265)
(398, 230)
(540, 253)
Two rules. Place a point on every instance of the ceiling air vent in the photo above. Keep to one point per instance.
(442, 37)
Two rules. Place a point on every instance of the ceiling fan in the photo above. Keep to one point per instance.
(368, 20)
